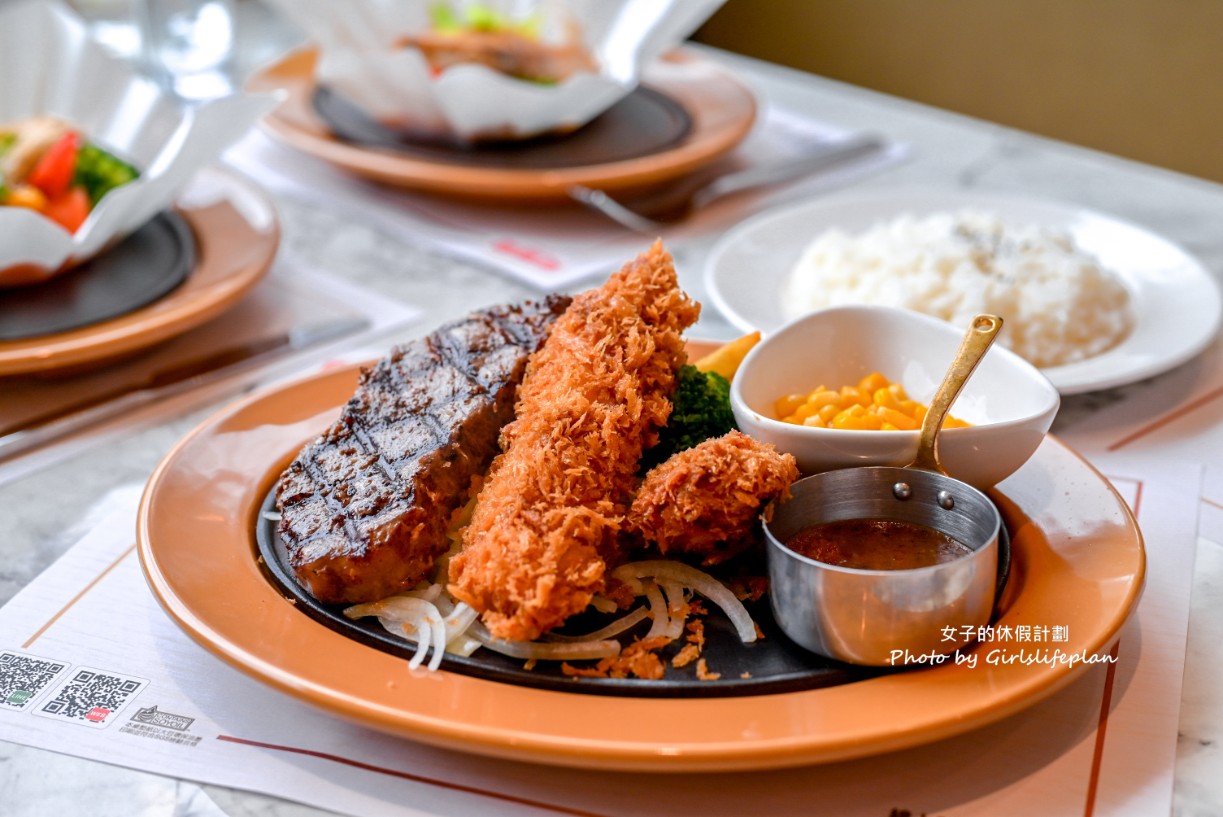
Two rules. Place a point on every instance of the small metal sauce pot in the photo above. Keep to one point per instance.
(891, 617)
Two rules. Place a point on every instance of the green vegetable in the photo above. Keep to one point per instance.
(99, 172)
(7, 138)
(445, 19)
(701, 410)
(483, 18)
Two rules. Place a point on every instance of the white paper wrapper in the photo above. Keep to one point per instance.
(361, 58)
(48, 65)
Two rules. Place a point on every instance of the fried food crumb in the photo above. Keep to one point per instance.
(703, 673)
(686, 656)
(749, 588)
(745, 675)
(638, 660)
(696, 633)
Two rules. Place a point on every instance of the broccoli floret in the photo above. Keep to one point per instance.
(701, 410)
(99, 172)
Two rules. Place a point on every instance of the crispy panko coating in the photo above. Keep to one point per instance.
(704, 502)
(546, 523)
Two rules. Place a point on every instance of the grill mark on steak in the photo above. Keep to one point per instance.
(365, 508)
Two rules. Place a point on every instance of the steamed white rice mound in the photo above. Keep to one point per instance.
(1057, 303)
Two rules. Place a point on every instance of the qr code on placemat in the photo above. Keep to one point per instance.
(23, 677)
(91, 697)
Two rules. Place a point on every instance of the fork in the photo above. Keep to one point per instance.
(656, 209)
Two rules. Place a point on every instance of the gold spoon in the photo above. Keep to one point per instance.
(977, 340)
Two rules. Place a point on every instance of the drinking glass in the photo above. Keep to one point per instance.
(187, 45)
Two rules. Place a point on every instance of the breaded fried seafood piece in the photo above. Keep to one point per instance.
(547, 521)
(704, 502)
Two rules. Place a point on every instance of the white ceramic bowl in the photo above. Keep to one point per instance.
(1008, 402)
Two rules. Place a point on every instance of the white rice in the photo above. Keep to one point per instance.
(1057, 303)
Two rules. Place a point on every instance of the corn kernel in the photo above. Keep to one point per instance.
(25, 195)
(874, 403)
(789, 404)
(885, 398)
(897, 419)
(873, 382)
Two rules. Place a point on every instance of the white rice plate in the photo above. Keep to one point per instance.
(1058, 304)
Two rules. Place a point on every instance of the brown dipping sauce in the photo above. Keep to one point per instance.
(876, 544)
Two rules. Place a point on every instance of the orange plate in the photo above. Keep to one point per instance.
(722, 111)
(1078, 563)
(237, 233)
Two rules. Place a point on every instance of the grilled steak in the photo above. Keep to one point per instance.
(365, 508)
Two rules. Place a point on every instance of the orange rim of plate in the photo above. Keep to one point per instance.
(723, 110)
(236, 240)
(1078, 563)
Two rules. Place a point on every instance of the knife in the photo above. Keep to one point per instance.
(176, 379)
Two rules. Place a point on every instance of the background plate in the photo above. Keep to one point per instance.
(137, 271)
(643, 123)
(236, 236)
(1077, 563)
(721, 111)
(1176, 300)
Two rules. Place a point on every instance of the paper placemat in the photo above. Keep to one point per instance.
(545, 245)
(295, 314)
(91, 666)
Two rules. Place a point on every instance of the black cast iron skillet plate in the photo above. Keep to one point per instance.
(145, 267)
(643, 123)
(773, 664)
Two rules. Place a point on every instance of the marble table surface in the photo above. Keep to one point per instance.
(43, 511)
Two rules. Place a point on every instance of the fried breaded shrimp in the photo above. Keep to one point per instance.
(704, 501)
(546, 523)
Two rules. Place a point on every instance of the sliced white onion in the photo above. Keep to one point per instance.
(437, 628)
(463, 646)
(411, 616)
(430, 592)
(458, 621)
(402, 607)
(545, 651)
(603, 604)
(658, 609)
(613, 629)
(673, 592)
(666, 570)
(422, 644)
(677, 597)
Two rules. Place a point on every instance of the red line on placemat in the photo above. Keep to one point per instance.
(413, 777)
(535, 257)
(1212, 503)
(38, 633)
(1167, 419)
(1097, 756)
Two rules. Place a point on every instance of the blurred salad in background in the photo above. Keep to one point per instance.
(50, 167)
(481, 34)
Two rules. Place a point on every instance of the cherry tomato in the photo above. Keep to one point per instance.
(53, 172)
(69, 209)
